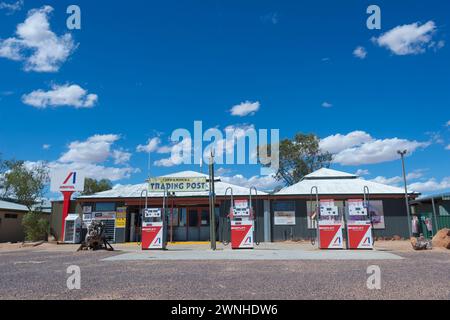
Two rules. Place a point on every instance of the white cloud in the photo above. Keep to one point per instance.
(89, 155)
(448, 123)
(359, 148)
(151, 146)
(64, 95)
(362, 172)
(264, 183)
(96, 171)
(326, 104)
(164, 149)
(360, 52)
(245, 108)
(11, 7)
(409, 39)
(398, 180)
(95, 149)
(178, 151)
(121, 157)
(35, 44)
(271, 17)
(447, 147)
(376, 151)
(431, 185)
(227, 146)
(338, 142)
(46, 146)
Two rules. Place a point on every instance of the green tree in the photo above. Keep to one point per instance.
(299, 157)
(24, 183)
(35, 226)
(92, 186)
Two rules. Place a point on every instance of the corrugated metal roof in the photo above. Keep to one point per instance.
(6, 205)
(324, 173)
(340, 183)
(434, 196)
(134, 191)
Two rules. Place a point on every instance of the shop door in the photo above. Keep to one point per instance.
(193, 225)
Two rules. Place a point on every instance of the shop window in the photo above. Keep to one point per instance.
(10, 216)
(182, 213)
(205, 218)
(105, 206)
(174, 216)
(443, 211)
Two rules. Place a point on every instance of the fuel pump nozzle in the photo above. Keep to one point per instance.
(230, 213)
(316, 213)
(252, 214)
(369, 214)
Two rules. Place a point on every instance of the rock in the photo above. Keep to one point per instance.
(396, 238)
(442, 239)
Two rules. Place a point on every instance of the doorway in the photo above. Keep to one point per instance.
(190, 224)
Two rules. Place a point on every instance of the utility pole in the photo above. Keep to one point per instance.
(212, 201)
(402, 155)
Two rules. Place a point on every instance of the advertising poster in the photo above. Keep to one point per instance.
(282, 218)
(121, 217)
(377, 214)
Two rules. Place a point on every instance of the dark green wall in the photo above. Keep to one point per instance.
(394, 215)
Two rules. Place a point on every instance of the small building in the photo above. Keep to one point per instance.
(387, 204)
(11, 215)
(435, 208)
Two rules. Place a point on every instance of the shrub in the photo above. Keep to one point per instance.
(36, 228)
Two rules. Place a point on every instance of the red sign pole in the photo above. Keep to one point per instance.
(66, 207)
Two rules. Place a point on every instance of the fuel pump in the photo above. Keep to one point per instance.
(154, 227)
(242, 223)
(359, 223)
(329, 224)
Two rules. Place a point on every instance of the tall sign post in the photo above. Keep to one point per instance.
(212, 203)
(67, 182)
(402, 155)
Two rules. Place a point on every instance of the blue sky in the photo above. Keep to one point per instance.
(137, 70)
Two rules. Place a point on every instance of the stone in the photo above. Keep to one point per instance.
(442, 239)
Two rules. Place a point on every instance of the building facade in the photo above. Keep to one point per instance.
(285, 215)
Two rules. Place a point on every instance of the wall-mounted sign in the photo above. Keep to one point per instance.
(121, 217)
(175, 184)
(66, 180)
(87, 209)
(283, 218)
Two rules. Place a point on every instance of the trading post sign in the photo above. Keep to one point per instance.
(175, 184)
